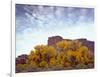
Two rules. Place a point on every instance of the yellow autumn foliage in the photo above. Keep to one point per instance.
(66, 54)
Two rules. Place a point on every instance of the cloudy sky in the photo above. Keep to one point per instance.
(35, 23)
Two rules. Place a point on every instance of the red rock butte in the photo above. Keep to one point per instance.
(54, 39)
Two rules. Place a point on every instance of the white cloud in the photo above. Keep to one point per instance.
(37, 27)
(28, 39)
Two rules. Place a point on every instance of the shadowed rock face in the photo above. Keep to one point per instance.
(54, 39)
(89, 44)
(21, 59)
